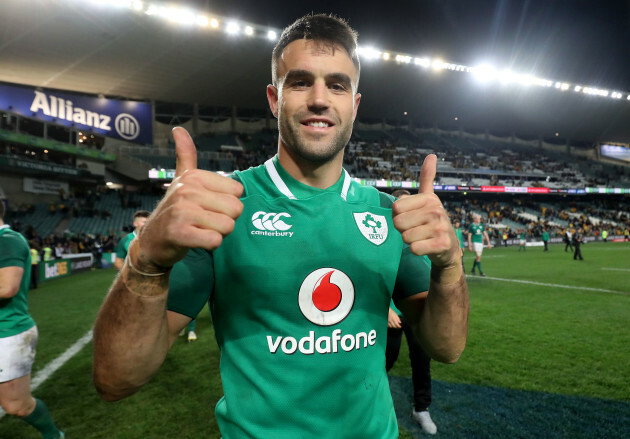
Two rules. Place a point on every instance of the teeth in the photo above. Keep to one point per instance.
(318, 124)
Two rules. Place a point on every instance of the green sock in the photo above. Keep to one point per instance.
(479, 265)
(474, 265)
(191, 325)
(41, 420)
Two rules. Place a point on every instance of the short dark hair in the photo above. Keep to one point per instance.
(2, 210)
(141, 214)
(400, 192)
(327, 29)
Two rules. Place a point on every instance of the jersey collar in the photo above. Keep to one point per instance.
(294, 189)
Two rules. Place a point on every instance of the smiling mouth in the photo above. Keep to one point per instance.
(317, 124)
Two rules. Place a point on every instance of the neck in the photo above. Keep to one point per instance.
(319, 175)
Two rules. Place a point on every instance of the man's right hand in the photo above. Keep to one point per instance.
(198, 210)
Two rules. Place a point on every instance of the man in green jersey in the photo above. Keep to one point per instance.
(460, 237)
(18, 334)
(545, 238)
(305, 262)
(476, 235)
(139, 218)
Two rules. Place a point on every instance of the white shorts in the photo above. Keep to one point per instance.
(478, 248)
(17, 354)
(522, 242)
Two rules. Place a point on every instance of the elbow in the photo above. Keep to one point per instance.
(7, 293)
(110, 389)
(448, 357)
(449, 354)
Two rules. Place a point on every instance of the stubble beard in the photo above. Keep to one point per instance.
(304, 149)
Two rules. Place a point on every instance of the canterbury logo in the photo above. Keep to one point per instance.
(271, 221)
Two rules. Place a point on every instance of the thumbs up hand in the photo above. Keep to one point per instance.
(424, 223)
(198, 210)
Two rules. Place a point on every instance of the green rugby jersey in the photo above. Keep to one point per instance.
(15, 252)
(123, 245)
(299, 304)
(460, 236)
(476, 231)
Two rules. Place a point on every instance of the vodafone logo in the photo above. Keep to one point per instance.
(326, 296)
(271, 224)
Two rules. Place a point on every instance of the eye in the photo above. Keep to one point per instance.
(338, 87)
(299, 83)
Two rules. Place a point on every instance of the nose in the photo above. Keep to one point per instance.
(318, 97)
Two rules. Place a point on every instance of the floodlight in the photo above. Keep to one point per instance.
(369, 52)
(249, 30)
(506, 76)
(233, 28)
(424, 62)
(403, 59)
(484, 73)
(137, 5)
(386, 56)
(214, 23)
(271, 35)
(202, 20)
(437, 64)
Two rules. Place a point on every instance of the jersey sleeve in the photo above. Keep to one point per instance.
(414, 274)
(191, 283)
(13, 251)
(121, 252)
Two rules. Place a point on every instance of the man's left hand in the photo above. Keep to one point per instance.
(424, 223)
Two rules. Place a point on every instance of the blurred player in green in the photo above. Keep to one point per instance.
(476, 235)
(18, 334)
(522, 241)
(304, 262)
(545, 239)
(139, 218)
(462, 243)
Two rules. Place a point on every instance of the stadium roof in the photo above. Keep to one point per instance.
(75, 45)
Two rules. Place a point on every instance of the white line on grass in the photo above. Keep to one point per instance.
(569, 287)
(615, 269)
(55, 364)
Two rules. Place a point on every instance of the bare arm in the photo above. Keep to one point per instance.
(440, 318)
(441, 321)
(133, 330)
(10, 280)
(485, 234)
(118, 263)
(130, 334)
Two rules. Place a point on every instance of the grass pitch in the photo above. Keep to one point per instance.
(547, 356)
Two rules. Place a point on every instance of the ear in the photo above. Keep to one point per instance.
(272, 97)
(357, 100)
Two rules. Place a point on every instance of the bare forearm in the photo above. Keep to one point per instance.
(130, 334)
(443, 326)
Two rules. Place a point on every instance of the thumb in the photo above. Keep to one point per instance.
(427, 174)
(185, 151)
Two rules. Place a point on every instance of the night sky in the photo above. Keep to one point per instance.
(583, 41)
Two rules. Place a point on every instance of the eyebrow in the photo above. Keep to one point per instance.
(339, 77)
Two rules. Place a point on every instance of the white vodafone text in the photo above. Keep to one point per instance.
(322, 345)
